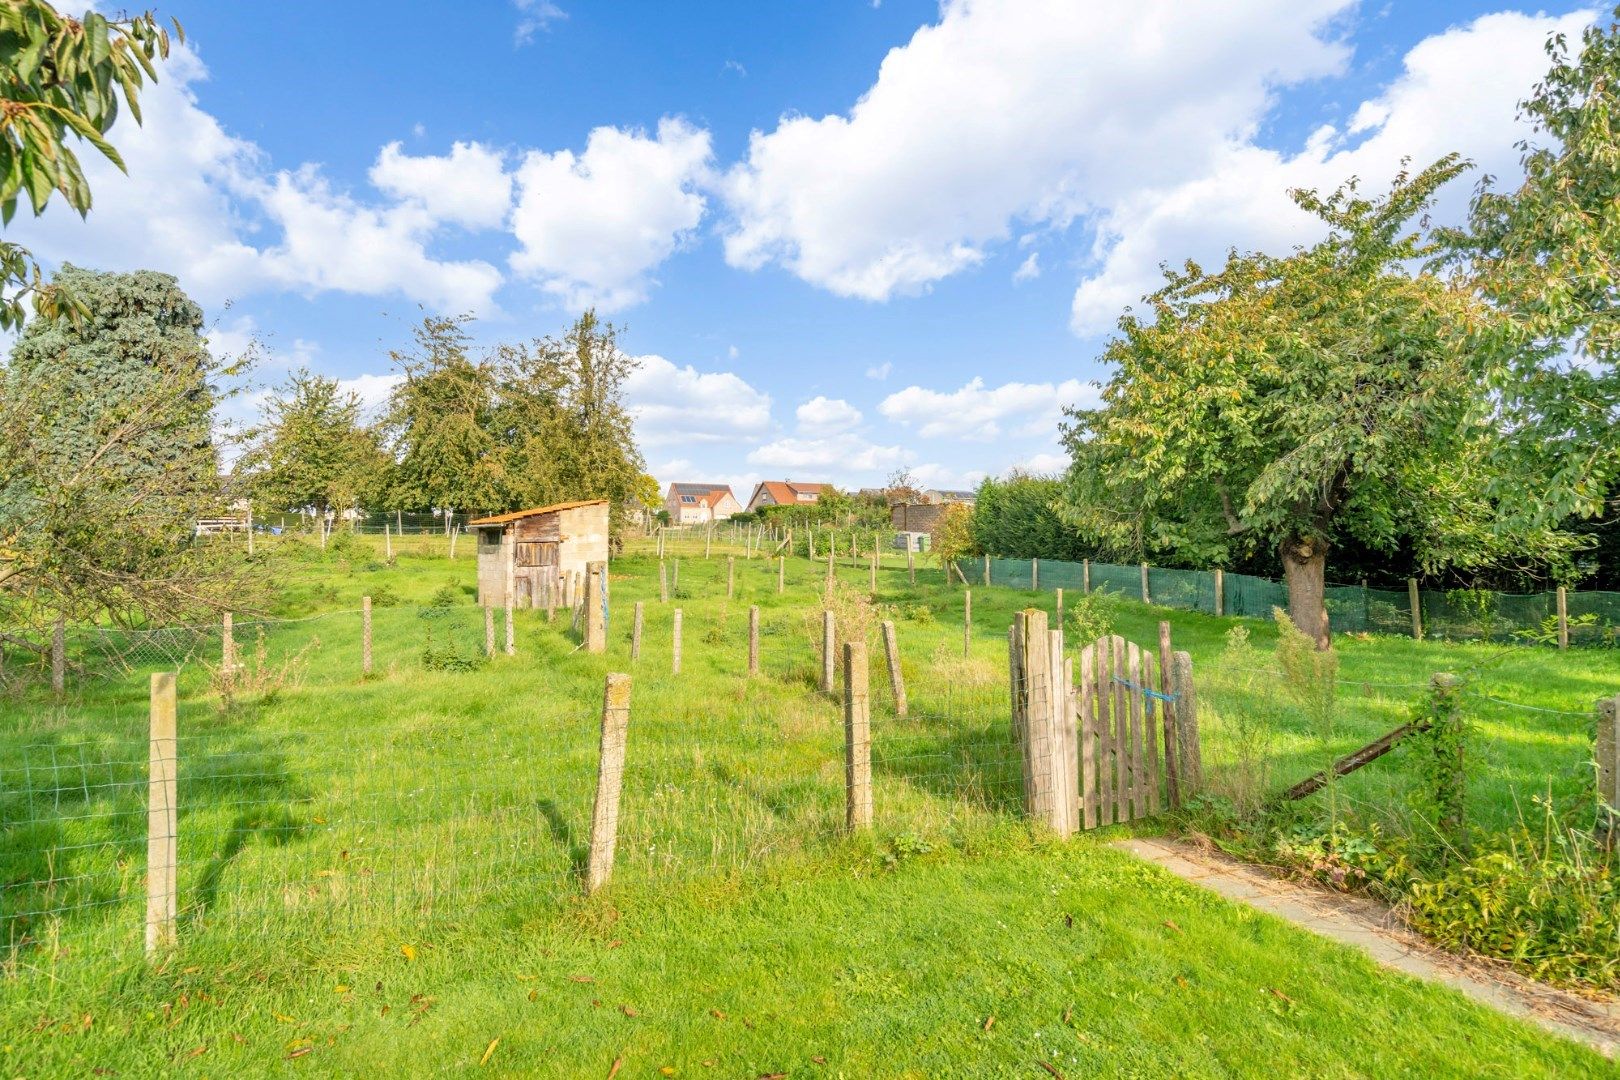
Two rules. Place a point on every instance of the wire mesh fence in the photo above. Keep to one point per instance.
(1590, 618)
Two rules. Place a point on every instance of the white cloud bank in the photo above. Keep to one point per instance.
(672, 406)
(978, 413)
(1011, 112)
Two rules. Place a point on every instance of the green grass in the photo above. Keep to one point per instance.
(448, 811)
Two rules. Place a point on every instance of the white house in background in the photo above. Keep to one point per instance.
(699, 504)
(785, 493)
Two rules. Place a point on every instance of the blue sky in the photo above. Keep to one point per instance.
(845, 237)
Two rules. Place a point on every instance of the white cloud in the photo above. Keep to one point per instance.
(846, 452)
(241, 336)
(979, 413)
(1457, 92)
(826, 416)
(934, 475)
(733, 352)
(1044, 464)
(468, 187)
(1010, 113)
(1029, 269)
(594, 225)
(673, 405)
(534, 17)
(202, 204)
(879, 371)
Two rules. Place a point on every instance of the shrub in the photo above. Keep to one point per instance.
(256, 680)
(1090, 616)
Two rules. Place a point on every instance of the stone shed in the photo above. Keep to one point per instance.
(529, 551)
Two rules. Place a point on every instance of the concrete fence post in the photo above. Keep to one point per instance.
(663, 583)
(731, 575)
(388, 543)
(753, 639)
(609, 781)
(1606, 749)
(1220, 591)
(911, 562)
(1035, 575)
(596, 607)
(857, 738)
(1059, 617)
(1563, 618)
(675, 643)
(162, 816)
(897, 682)
(365, 635)
(987, 570)
(872, 568)
(781, 574)
(1147, 597)
(967, 621)
(59, 656)
(829, 639)
(830, 577)
(1414, 599)
(635, 632)
(511, 629)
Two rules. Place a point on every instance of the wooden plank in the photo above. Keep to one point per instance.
(1037, 749)
(1107, 813)
(1058, 762)
(1606, 750)
(1071, 743)
(1415, 600)
(1122, 733)
(1167, 712)
(1563, 618)
(1150, 735)
(1133, 669)
(1189, 749)
(753, 639)
(1088, 736)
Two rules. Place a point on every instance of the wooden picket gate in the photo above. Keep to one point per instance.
(1120, 744)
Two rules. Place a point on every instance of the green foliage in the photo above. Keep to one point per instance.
(107, 459)
(953, 536)
(61, 77)
(1546, 254)
(1441, 753)
(1015, 518)
(312, 449)
(1296, 403)
(1092, 615)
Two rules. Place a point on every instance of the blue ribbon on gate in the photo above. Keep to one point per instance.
(1145, 690)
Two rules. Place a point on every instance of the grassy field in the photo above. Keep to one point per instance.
(380, 875)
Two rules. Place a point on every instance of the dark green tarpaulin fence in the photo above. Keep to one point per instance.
(1458, 615)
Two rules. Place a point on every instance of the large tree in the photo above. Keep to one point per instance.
(1548, 254)
(61, 77)
(107, 459)
(313, 449)
(563, 421)
(440, 419)
(1295, 402)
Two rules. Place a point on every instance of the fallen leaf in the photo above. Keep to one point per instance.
(1181, 981)
(238, 1039)
(708, 1064)
(408, 951)
(1068, 1013)
(818, 1059)
(534, 995)
(1279, 994)
(717, 1014)
(384, 1011)
(581, 978)
(614, 944)
(300, 1052)
(596, 1003)
(527, 978)
(1171, 923)
(1050, 1068)
(199, 1052)
(283, 1018)
(989, 1022)
(1068, 920)
(618, 1063)
(667, 1070)
(490, 1051)
(340, 989)
(629, 1010)
(772, 1076)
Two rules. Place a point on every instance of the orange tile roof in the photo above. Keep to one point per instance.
(502, 519)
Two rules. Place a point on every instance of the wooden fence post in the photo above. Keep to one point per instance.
(1167, 711)
(781, 574)
(1146, 596)
(708, 540)
(731, 575)
(511, 630)
(1415, 600)
(1563, 618)
(829, 639)
(1065, 742)
(830, 578)
(365, 635)
(1606, 748)
(609, 781)
(1032, 712)
(162, 816)
(551, 596)
(663, 583)
(388, 543)
(1059, 617)
(1189, 752)
(857, 738)
(967, 621)
(635, 632)
(897, 682)
(595, 607)
(872, 566)
(59, 656)
(675, 643)
(1035, 575)
(753, 639)
(1220, 592)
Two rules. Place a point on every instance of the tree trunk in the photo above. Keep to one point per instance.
(1304, 561)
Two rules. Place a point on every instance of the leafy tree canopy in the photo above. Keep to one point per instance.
(313, 449)
(1298, 401)
(60, 77)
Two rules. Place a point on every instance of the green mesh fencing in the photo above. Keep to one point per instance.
(1456, 615)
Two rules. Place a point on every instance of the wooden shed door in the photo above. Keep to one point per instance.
(533, 553)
